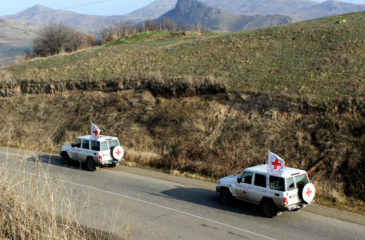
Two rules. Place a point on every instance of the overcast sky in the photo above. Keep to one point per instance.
(94, 7)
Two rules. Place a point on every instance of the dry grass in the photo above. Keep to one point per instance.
(34, 205)
(21, 218)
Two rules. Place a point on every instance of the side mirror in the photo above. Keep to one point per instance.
(239, 179)
(73, 145)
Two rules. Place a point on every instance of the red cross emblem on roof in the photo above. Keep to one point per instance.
(95, 132)
(276, 164)
(309, 191)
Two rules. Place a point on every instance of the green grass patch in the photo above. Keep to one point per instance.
(320, 60)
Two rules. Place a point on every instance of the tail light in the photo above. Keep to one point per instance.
(285, 201)
(100, 158)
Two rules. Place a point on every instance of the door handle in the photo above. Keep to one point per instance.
(277, 194)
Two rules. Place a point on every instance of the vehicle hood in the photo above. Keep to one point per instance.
(66, 147)
(229, 179)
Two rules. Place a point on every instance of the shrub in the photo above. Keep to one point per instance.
(57, 38)
(52, 39)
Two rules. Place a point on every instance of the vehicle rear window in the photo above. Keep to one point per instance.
(260, 180)
(277, 183)
(301, 180)
(113, 143)
(95, 145)
(290, 185)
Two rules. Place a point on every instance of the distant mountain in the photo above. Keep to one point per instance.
(15, 38)
(330, 8)
(44, 15)
(151, 11)
(300, 9)
(199, 15)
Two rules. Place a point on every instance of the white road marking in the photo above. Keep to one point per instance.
(146, 202)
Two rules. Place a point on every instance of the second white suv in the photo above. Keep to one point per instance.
(100, 151)
(290, 191)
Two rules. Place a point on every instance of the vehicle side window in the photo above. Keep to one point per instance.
(247, 177)
(277, 183)
(95, 145)
(104, 146)
(85, 144)
(77, 143)
(260, 180)
(290, 185)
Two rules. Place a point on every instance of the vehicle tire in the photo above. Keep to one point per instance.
(268, 208)
(90, 164)
(300, 193)
(66, 159)
(225, 196)
(113, 165)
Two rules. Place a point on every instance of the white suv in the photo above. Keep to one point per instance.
(100, 151)
(290, 191)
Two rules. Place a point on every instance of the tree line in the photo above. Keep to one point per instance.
(59, 38)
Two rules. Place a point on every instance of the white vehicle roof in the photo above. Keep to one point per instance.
(100, 138)
(287, 172)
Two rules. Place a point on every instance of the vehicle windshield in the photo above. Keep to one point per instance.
(77, 143)
(301, 180)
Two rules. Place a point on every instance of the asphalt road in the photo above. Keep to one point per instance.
(141, 204)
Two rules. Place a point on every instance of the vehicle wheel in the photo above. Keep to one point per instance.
(269, 208)
(90, 165)
(225, 196)
(66, 159)
(113, 165)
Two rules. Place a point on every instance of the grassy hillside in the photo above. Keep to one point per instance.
(319, 60)
(297, 90)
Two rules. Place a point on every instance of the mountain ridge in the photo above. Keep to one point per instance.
(300, 9)
(44, 15)
(198, 15)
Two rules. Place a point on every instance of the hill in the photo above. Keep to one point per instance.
(15, 38)
(314, 53)
(151, 11)
(299, 9)
(208, 104)
(40, 14)
(198, 15)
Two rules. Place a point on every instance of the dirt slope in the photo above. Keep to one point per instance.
(212, 134)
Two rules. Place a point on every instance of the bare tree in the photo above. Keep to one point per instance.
(52, 39)
(168, 25)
